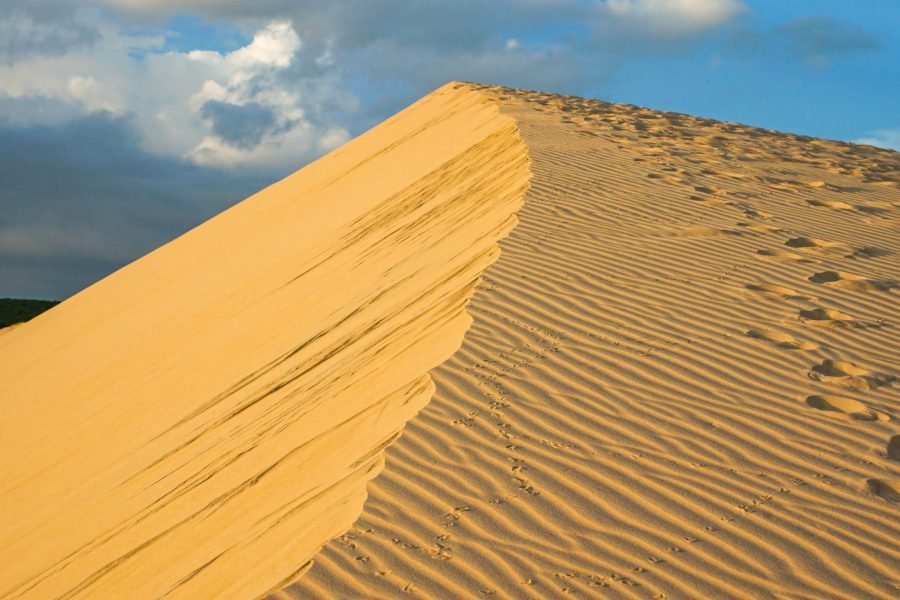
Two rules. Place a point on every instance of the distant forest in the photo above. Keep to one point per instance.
(14, 310)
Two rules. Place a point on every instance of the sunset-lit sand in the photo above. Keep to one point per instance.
(598, 350)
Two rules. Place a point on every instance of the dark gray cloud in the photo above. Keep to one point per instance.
(390, 52)
(84, 198)
(432, 23)
(241, 125)
(80, 199)
(42, 28)
(820, 40)
(462, 25)
(36, 109)
(396, 45)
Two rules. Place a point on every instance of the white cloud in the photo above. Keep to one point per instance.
(166, 95)
(248, 78)
(91, 95)
(883, 138)
(672, 17)
(302, 141)
(273, 46)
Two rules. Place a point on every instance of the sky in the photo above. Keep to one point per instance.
(124, 123)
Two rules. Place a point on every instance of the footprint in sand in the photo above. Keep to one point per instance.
(707, 199)
(779, 291)
(845, 407)
(870, 252)
(761, 215)
(753, 213)
(780, 339)
(893, 448)
(713, 191)
(835, 204)
(825, 316)
(847, 374)
(851, 281)
(819, 246)
(669, 178)
(875, 207)
(822, 317)
(782, 256)
(889, 489)
(758, 227)
(783, 187)
(743, 194)
(835, 248)
(696, 231)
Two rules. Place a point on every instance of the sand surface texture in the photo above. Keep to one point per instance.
(680, 381)
(199, 423)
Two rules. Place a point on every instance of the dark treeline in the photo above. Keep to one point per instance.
(15, 310)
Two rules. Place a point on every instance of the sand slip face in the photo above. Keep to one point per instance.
(681, 380)
(199, 423)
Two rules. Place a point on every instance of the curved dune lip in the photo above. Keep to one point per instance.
(288, 393)
(770, 335)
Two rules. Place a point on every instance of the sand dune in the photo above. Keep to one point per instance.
(199, 423)
(678, 380)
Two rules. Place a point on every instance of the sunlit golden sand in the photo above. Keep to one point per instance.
(660, 354)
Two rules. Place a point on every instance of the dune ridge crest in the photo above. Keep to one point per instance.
(681, 381)
(197, 424)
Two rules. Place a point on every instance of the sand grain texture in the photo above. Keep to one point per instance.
(680, 381)
(199, 423)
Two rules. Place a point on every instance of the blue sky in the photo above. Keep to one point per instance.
(125, 122)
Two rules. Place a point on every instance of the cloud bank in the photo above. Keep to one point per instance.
(83, 198)
(125, 122)
(671, 18)
(208, 107)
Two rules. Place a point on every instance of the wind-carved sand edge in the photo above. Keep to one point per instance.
(199, 423)
(627, 411)
(426, 396)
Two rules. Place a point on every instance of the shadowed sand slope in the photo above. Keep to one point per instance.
(199, 423)
(680, 381)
